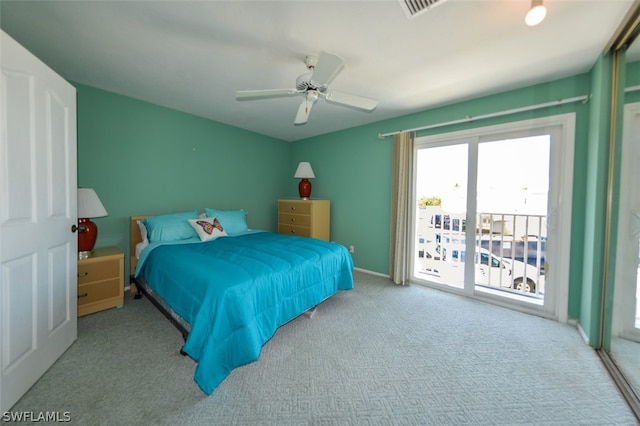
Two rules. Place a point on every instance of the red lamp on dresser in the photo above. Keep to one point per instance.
(304, 172)
(89, 206)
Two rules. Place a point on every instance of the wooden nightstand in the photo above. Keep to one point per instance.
(305, 218)
(100, 281)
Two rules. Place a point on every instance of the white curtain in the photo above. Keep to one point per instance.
(400, 249)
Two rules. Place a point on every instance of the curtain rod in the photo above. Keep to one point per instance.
(583, 99)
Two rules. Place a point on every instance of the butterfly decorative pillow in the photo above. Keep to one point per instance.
(208, 228)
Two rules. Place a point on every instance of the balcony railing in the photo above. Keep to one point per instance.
(510, 249)
(514, 236)
(518, 237)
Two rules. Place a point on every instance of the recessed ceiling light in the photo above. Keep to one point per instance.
(536, 14)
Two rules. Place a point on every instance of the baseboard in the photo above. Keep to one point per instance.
(580, 330)
(366, 271)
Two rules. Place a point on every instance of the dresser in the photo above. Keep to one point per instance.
(305, 218)
(100, 281)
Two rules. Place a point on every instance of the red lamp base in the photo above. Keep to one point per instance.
(87, 235)
(304, 187)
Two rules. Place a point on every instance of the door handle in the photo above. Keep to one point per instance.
(74, 228)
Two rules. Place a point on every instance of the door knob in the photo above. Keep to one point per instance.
(74, 228)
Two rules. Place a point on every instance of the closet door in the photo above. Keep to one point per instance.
(626, 314)
(38, 249)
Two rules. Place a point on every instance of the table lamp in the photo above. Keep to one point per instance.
(89, 206)
(304, 172)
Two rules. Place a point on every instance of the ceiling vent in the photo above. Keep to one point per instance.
(413, 8)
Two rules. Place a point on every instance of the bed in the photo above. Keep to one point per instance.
(229, 294)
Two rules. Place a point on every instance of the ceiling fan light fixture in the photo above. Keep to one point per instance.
(312, 86)
(536, 14)
(312, 96)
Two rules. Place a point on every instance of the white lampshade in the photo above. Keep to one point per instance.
(304, 171)
(89, 204)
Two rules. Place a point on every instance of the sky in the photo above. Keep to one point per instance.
(513, 175)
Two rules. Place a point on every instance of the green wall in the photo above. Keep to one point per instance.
(353, 170)
(632, 78)
(595, 208)
(146, 159)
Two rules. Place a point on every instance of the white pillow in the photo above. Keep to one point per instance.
(143, 231)
(208, 228)
(139, 247)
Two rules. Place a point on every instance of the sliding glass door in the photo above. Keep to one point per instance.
(512, 191)
(488, 209)
(441, 183)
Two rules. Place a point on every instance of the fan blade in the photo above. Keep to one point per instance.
(355, 101)
(303, 112)
(327, 68)
(242, 95)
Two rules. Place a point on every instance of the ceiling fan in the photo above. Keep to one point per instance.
(314, 85)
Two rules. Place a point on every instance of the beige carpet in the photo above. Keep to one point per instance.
(376, 355)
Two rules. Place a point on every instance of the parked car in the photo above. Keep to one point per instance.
(491, 270)
(495, 271)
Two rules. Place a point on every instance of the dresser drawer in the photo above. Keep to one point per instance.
(97, 271)
(305, 218)
(300, 231)
(294, 207)
(89, 293)
(294, 219)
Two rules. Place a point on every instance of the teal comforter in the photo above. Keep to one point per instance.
(236, 291)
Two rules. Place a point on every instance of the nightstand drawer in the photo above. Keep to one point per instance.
(98, 271)
(100, 281)
(294, 219)
(294, 207)
(89, 293)
(300, 231)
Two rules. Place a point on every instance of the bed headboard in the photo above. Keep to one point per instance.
(134, 238)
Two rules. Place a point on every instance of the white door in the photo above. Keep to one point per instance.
(38, 251)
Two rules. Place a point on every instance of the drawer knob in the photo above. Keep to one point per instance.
(293, 231)
(293, 219)
(84, 274)
(83, 295)
(293, 207)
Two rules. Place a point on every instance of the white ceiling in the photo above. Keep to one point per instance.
(194, 55)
